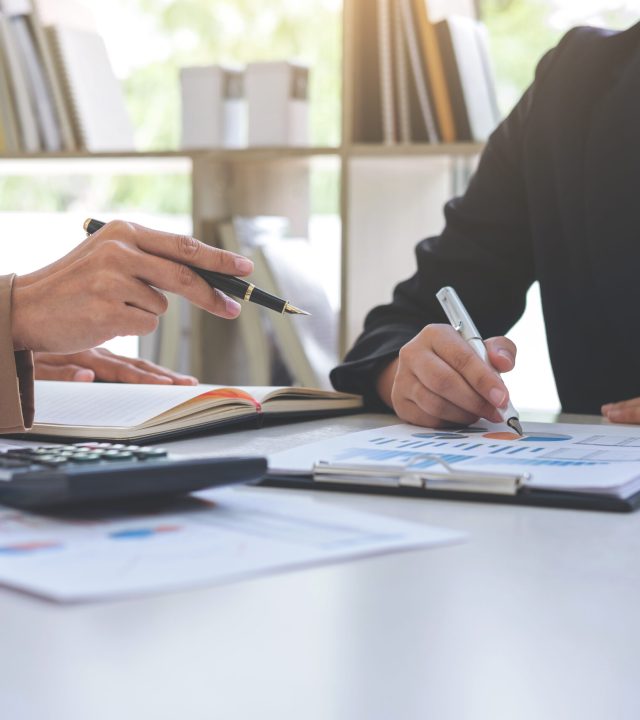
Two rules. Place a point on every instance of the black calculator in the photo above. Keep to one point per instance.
(92, 472)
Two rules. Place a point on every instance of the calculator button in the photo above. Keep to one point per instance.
(51, 460)
(84, 458)
(117, 455)
(144, 453)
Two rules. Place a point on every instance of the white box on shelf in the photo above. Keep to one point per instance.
(278, 100)
(214, 107)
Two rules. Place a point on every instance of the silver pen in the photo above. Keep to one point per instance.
(462, 322)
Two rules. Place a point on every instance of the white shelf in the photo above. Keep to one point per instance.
(244, 154)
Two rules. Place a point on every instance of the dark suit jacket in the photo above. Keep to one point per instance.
(556, 198)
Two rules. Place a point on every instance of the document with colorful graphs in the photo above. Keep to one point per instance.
(594, 459)
(214, 537)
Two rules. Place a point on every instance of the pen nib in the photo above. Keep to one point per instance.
(514, 424)
(293, 310)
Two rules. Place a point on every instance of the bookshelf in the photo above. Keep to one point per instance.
(391, 196)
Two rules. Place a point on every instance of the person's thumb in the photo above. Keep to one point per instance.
(502, 353)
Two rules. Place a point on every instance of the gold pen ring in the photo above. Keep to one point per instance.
(247, 295)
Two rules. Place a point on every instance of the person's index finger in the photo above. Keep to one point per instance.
(189, 251)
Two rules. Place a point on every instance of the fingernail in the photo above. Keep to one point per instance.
(497, 397)
(232, 307)
(614, 415)
(243, 265)
(507, 355)
(84, 376)
(606, 407)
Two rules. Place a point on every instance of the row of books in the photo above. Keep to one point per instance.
(422, 73)
(58, 91)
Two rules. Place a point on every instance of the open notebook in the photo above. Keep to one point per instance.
(112, 411)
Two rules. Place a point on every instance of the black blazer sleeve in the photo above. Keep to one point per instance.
(484, 252)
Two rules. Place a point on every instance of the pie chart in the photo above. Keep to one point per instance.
(534, 437)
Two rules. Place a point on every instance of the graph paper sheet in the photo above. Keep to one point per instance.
(582, 458)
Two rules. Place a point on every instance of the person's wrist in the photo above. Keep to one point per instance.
(19, 315)
(384, 383)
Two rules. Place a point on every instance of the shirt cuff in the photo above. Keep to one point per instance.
(16, 371)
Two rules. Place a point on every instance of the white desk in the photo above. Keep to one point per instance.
(536, 617)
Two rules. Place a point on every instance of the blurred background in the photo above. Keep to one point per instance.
(43, 202)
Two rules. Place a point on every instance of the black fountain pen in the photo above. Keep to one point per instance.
(228, 283)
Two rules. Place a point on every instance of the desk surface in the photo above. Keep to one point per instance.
(536, 616)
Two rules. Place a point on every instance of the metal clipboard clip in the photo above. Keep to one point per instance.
(409, 476)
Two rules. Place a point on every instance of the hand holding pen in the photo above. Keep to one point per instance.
(439, 380)
(225, 282)
(113, 284)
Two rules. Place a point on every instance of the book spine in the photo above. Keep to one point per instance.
(8, 120)
(51, 70)
(434, 71)
(454, 81)
(418, 73)
(402, 76)
(40, 93)
(27, 126)
(386, 72)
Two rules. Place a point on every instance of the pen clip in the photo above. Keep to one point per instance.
(456, 313)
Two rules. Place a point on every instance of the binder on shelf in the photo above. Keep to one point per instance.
(32, 78)
(426, 130)
(9, 131)
(38, 86)
(401, 68)
(278, 103)
(93, 93)
(441, 9)
(466, 67)
(41, 14)
(29, 137)
(434, 69)
(482, 37)
(214, 107)
(385, 49)
(366, 120)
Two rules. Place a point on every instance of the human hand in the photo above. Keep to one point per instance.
(626, 411)
(438, 379)
(101, 364)
(112, 283)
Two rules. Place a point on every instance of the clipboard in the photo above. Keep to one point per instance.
(447, 483)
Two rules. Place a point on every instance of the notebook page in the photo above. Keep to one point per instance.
(108, 404)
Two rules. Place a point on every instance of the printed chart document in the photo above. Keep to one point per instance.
(593, 459)
(209, 538)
